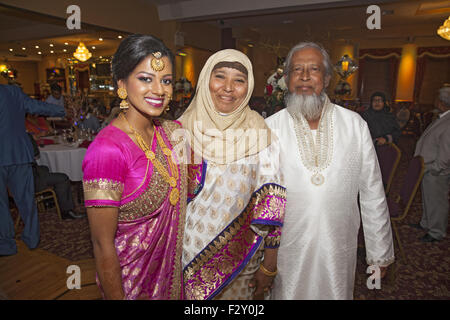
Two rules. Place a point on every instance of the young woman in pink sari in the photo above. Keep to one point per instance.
(134, 187)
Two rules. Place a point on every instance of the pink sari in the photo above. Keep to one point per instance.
(150, 230)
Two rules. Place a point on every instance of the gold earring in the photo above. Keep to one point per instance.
(122, 93)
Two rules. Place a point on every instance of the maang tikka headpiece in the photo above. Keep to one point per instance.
(157, 63)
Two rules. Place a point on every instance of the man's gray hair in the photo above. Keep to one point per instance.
(444, 96)
(303, 45)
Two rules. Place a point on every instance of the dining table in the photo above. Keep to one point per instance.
(62, 157)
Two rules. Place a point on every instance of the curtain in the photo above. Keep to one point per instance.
(388, 56)
(423, 53)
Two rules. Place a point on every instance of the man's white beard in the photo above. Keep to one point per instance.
(310, 106)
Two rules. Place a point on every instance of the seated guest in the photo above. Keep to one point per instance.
(91, 122)
(100, 110)
(382, 124)
(112, 115)
(56, 96)
(60, 182)
(403, 115)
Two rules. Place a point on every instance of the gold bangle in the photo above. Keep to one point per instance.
(267, 272)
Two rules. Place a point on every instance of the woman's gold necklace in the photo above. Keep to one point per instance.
(171, 180)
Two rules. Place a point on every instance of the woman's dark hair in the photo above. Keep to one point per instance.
(378, 94)
(132, 50)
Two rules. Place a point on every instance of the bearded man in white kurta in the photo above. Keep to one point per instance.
(327, 158)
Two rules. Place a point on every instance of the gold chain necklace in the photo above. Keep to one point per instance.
(171, 180)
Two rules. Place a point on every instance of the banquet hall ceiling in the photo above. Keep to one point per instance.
(21, 29)
(322, 20)
(252, 21)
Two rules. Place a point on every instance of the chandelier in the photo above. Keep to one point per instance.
(82, 53)
(444, 30)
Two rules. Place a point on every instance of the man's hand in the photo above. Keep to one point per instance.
(381, 141)
(383, 271)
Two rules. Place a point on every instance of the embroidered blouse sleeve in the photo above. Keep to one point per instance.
(104, 171)
(271, 201)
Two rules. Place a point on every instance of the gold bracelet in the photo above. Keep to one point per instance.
(267, 272)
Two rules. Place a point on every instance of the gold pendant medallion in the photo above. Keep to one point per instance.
(317, 179)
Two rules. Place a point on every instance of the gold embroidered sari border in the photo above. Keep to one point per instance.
(223, 258)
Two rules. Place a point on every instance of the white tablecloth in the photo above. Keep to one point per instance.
(63, 158)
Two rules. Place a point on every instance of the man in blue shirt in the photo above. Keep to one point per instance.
(16, 157)
(56, 95)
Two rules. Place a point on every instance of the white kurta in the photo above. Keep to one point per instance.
(317, 254)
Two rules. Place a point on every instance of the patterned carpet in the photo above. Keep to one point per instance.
(425, 276)
(68, 239)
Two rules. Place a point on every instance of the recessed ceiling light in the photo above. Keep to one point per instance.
(23, 48)
(65, 50)
(51, 44)
(120, 37)
(101, 39)
(93, 47)
(51, 51)
(66, 44)
(39, 52)
(11, 50)
(37, 47)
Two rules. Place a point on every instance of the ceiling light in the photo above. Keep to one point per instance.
(37, 47)
(66, 44)
(11, 50)
(39, 52)
(51, 44)
(65, 50)
(51, 51)
(93, 47)
(101, 39)
(444, 30)
(23, 48)
(120, 37)
(82, 53)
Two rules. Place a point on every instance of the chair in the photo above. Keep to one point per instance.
(47, 194)
(400, 204)
(388, 157)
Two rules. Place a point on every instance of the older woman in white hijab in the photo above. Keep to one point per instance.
(234, 219)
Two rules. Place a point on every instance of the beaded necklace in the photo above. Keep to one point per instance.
(316, 156)
(171, 180)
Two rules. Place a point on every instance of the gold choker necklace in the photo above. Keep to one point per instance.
(171, 180)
